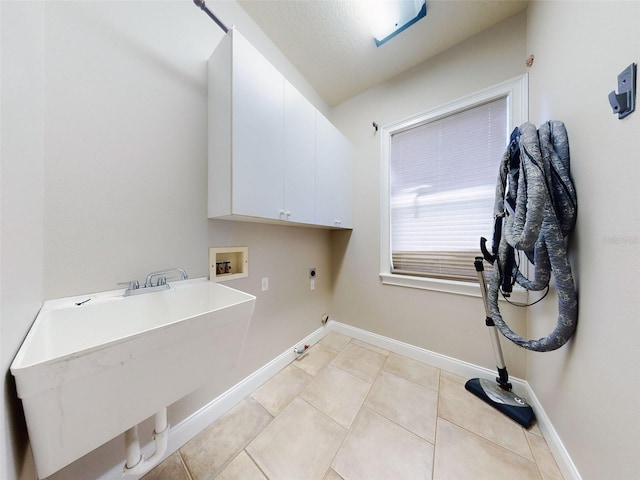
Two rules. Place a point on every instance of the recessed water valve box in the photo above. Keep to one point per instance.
(228, 263)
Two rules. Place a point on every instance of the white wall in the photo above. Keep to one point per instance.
(589, 388)
(449, 324)
(125, 139)
(104, 161)
(21, 214)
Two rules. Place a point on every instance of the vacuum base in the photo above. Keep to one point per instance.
(504, 401)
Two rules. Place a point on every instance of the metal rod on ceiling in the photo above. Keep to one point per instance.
(201, 4)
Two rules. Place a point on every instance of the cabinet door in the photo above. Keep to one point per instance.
(334, 176)
(219, 129)
(299, 156)
(257, 133)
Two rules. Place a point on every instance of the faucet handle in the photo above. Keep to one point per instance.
(131, 284)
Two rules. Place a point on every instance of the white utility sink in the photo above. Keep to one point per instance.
(88, 372)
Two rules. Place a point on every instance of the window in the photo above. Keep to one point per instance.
(439, 175)
(442, 181)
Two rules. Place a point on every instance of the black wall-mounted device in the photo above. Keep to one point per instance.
(624, 102)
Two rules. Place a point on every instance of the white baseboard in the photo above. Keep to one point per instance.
(559, 452)
(194, 424)
(450, 364)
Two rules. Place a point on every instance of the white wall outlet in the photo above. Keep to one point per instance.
(265, 284)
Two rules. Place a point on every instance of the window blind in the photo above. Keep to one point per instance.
(442, 183)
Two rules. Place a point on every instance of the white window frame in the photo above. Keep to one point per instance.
(516, 92)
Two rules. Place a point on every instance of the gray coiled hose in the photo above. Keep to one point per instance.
(539, 212)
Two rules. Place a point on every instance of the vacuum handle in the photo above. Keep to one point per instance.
(487, 255)
(503, 379)
(477, 263)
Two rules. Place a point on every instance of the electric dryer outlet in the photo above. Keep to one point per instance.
(312, 278)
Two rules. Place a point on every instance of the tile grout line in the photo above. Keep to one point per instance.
(313, 377)
(533, 451)
(328, 418)
(533, 454)
(287, 403)
(364, 402)
(435, 441)
(373, 410)
(273, 417)
(184, 465)
(251, 439)
(253, 460)
(435, 434)
(347, 430)
(344, 440)
(501, 447)
(437, 389)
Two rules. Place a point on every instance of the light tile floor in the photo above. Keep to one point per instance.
(348, 410)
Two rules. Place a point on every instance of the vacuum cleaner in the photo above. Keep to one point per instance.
(535, 209)
(499, 394)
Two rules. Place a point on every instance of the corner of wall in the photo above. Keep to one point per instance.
(21, 243)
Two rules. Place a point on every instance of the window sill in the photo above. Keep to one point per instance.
(519, 295)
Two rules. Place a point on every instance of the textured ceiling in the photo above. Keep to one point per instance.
(330, 44)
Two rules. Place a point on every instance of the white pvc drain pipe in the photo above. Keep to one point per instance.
(137, 465)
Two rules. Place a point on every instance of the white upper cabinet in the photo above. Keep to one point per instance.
(334, 176)
(258, 133)
(264, 158)
(246, 132)
(299, 156)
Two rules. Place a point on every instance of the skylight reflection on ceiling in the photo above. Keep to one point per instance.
(387, 18)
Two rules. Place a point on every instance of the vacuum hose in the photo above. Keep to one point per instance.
(536, 207)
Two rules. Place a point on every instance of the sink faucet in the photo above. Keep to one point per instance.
(162, 276)
(134, 288)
